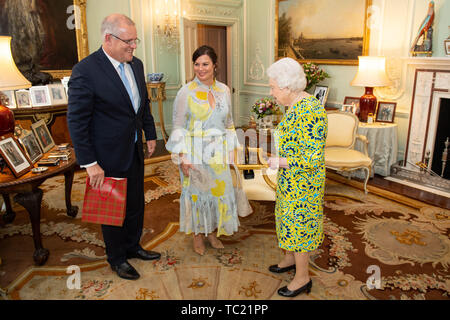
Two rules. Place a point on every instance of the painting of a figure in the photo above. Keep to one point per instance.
(322, 31)
(43, 34)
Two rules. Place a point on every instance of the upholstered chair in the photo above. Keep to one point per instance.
(263, 185)
(340, 154)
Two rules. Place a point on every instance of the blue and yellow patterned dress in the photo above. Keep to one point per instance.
(300, 191)
(206, 136)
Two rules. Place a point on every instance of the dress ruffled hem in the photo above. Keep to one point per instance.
(208, 213)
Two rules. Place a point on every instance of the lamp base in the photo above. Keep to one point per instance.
(7, 121)
(367, 104)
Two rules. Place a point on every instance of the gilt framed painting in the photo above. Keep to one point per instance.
(51, 34)
(322, 31)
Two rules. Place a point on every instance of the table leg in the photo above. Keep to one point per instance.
(31, 201)
(71, 210)
(10, 215)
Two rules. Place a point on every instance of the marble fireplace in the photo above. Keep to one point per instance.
(428, 129)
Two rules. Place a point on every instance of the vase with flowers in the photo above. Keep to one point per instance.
(313, 74)
(267, 108)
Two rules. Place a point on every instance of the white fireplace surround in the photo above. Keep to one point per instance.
(431, 84)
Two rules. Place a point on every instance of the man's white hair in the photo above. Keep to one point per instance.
(288, 73)
(112, 24)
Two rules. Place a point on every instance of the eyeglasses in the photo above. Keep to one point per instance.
(128, 42)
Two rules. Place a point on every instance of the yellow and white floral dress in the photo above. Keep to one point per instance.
(300, 190)
(205, 135)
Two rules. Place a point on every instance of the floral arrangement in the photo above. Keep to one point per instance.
(265, 107)
(313, 74)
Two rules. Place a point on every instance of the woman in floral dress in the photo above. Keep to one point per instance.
(301, 139)
(202, 143)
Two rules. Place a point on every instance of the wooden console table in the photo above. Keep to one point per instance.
(55, 118)
(29, 195)
(157, 93)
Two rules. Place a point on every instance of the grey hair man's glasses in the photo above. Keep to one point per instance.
(128, 42)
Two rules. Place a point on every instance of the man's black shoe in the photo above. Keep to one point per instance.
(126, 271)
(144, 255)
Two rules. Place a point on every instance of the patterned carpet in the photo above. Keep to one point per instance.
(406, 243)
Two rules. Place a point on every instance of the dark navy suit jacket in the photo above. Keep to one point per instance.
(101, 118)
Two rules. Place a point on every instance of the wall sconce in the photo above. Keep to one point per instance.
(167, 23)
(371, 73)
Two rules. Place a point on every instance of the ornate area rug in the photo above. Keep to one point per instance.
(367, 238)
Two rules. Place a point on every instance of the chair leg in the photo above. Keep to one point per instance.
(367, 179)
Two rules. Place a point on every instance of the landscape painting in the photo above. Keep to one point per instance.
(322, 31)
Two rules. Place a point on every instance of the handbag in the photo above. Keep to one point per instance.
(243, 206)
(106, 205)
(248, 174)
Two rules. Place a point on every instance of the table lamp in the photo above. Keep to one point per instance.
(10, 79)
(371, 73)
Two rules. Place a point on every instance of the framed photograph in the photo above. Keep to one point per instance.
(18, 131)
(321, 93)
(17, 161)
(447, 46)
(11, 98)
(53, 31)
(31, 146)
(23, 99)
(65, 83)
(354, 101)
(40, 96)
(386, 111)
(43, 136)
(321, 31)
(348, 108)
(57, 94)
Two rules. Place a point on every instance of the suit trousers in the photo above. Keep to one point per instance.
(122, 240)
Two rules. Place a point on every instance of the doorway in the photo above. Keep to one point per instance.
(218, 37)
(215, 37)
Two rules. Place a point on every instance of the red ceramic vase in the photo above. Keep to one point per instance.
(6, 120)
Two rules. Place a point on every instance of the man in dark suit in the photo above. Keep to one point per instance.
(108, 109)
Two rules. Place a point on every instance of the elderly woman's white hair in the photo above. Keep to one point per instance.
(288, 73)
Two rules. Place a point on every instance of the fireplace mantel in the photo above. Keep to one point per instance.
(430, 86)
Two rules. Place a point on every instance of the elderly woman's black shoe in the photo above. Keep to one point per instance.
(285, 292)
(275, 268)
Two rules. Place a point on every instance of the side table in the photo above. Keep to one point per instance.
(383, 145)
(157, 93)
(29, 195)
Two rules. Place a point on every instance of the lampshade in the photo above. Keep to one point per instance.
(371, 72)
(10, 76)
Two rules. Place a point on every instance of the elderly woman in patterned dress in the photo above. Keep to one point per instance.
(301, 176)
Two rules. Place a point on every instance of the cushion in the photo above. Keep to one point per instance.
(258, 189)
(342, 157)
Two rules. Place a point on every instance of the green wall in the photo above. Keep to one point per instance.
(253, 24)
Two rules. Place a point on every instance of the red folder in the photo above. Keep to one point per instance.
(106, 205)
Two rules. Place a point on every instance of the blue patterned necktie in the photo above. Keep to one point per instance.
(128, 87)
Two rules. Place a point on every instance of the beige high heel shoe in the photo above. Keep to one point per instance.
(199, 244)
(215, 243)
